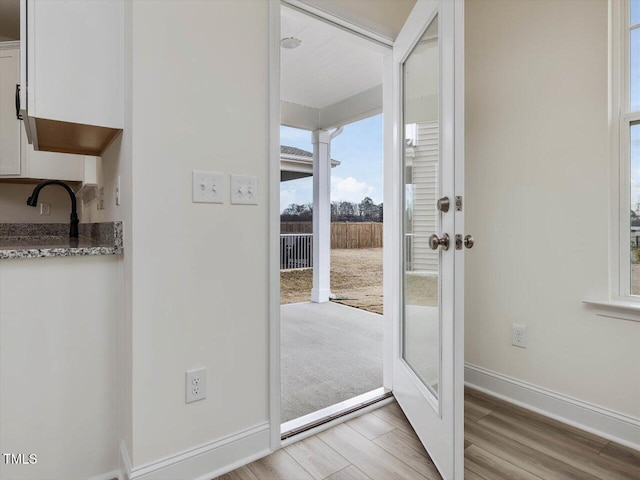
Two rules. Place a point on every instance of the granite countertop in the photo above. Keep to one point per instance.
(31, 240)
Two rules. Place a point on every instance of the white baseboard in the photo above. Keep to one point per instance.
(205, 461)
(108, 476)
(592, 418)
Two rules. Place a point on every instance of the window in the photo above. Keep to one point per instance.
(626, 104)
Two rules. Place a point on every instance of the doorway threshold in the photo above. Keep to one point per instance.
(327, 417)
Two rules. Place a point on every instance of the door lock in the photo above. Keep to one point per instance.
(467, 241)
(435, 242)
(443, 204)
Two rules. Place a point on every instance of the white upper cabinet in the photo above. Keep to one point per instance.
(72, 74)
(18, 159)
(9, 121)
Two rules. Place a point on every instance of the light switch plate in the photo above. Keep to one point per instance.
(208, 187)
(244, 190)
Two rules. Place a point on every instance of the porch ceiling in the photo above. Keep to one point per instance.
(334, 77)
(382, 17)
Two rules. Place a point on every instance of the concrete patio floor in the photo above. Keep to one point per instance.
(329, 353)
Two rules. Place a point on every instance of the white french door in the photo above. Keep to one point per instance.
(425, 262)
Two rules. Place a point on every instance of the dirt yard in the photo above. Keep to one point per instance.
(356, 280)
(635, 279)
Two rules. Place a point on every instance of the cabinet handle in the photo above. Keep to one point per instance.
(18, 116)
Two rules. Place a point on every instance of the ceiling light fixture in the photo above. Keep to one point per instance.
(290, 43)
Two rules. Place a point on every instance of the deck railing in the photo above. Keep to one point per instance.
(296, 250)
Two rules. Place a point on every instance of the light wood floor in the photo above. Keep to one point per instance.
(502, 441)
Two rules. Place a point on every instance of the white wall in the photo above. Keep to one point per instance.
(117, 162)
(58, 348)
(195, 276)
(199, 286)
(537, 170)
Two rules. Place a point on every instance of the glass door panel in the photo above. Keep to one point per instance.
(421, 328)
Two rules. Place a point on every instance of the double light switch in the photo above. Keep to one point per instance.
(209, 187)
(244, 190)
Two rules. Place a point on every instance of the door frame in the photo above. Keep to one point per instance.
(459, 187)
(274, 208)
(392, 198)
(274, 226)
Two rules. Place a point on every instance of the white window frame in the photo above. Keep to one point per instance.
(620, 121)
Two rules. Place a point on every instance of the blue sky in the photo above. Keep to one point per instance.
(358, 148)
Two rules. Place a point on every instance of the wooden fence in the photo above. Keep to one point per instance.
(296, 227)
(343, 234)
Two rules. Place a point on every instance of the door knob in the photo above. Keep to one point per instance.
(435, 242)
(469, 241)
(443, 204)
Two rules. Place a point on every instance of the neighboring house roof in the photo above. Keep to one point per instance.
(284, 150)
(297, 163)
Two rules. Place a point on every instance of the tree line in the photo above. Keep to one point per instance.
(342, 211)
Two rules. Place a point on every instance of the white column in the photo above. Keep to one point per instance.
(321, 217)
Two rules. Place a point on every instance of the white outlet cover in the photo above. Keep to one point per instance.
(244, 190)
(118, 190)
(100, 198)
(208, 187)
(195, 385)
(519, 337)
(45, 209)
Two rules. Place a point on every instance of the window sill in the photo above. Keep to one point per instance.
(620, 309)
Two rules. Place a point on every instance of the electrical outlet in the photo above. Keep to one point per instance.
(244, 190)
(100, 198)
(118, 190)
(45, 209)
(519, 335)
(195, 385)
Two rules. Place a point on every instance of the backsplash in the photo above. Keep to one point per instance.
(14, 208)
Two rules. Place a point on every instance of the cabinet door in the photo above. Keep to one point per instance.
(75, 66)
(9, 123)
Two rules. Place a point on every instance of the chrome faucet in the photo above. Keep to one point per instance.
(32, 201)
